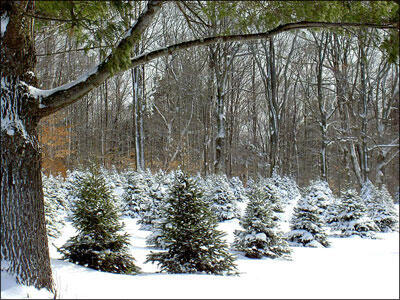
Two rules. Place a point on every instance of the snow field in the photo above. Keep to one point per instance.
(351, 268)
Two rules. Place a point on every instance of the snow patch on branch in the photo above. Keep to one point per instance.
(4, 22)
(39, 93)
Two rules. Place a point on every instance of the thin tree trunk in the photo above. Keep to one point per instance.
(136, 116)
(363, 116)
(273, 108)
(142, 112)
(322, 46)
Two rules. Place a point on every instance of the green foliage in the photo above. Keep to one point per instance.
(92, 23)
(189, 234)
(390, 46)
(98, 245)
(104, 22)
(250, 16)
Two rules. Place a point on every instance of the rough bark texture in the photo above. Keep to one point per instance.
(24, 247)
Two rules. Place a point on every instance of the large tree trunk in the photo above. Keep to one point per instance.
(24, 246)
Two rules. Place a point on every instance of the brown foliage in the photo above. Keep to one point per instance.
(54, 136)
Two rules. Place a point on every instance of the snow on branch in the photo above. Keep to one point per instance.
(58, 98)
(149, 56)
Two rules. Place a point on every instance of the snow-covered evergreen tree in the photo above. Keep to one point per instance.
(221, 197)
(54, 206)
(286, 188)
(307, 226)
(321, 192)
(261, 235)
(352, 217)
(380, 206)
(273, 195)
(99, 243)
(151, 210)
(135, 195)
(193, 244)
(159, 193)
(386, 215)
(386, 197)
(368, 191)
(71, 180)
(238, 189)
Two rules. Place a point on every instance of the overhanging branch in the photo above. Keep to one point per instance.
(146, 57)
(57, 98)
(53, 100)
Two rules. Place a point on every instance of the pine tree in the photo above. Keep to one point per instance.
(397, 195)
(151, 205)
(352, 217)
(238, 189)
(193, 244)
(159, 192)
(273, 195)
(54, 206)
(307, 227)
(135, 195)
(379, 206)
(221, 197)
(321, 192)
(261, 236)
(98, 244)
(386, 216)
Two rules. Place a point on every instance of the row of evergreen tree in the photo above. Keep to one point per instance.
(183, 214)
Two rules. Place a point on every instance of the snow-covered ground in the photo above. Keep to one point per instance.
(350, 268)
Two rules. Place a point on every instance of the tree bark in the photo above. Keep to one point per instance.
(323, 124)
(24, 246)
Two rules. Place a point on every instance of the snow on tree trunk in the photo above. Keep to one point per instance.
(220, 139)
(23, 232)
(24, 246)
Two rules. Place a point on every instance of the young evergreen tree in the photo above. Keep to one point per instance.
(285, 188)
(193, 244)
(135, 195)
(386, 215)
(380, 206)
(352, 217)
(396, 199)
(260, 236)
(98, 244)
(221, 197)
(273, 195)
(238, 189)
(159, 192)
(307, 227)
(54, 207)
(321, 192)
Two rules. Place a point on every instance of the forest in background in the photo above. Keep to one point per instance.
(308, 103)
(214, 111)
